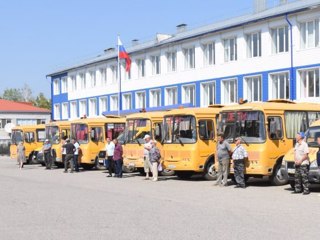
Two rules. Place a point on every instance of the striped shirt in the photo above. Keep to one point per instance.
(239, 153)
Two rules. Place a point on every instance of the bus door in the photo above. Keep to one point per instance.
(207, 141)
(30, 142)
(276, 135)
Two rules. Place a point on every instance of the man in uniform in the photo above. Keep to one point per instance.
(301, 162)
(70, 149)
(47, 154)
(239, 154)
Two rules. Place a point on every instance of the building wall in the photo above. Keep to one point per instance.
(264, 68)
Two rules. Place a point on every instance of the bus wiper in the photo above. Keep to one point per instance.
(180, 141)
(244, 141)
(137, 140)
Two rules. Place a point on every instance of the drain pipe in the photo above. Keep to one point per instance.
(292, 82)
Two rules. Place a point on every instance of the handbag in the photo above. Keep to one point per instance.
(160, 168)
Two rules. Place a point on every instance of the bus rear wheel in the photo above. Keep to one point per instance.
(210, 171)
(184, 174)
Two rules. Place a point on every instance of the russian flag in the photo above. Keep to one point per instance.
(124, 55)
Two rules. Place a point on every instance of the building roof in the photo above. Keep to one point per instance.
(282, 10)
(21, 107)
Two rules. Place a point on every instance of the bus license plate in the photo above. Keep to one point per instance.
(171, 166)
(101, 161)
(131, 164)
(291, 170)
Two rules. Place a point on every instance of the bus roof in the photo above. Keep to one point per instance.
(100, 120)
(29, 127)
(273, 105)
(158, 115)
(209, 111)
(59, 123)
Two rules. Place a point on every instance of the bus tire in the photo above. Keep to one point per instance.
(210, 171)
(167, 172)
(276, 178)
(98, 165)
(184, 174)
(87, 166)
(141, 171)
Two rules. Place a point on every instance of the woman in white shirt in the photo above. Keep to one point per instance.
(109, 161)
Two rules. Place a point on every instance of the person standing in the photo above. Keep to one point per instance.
(63, 150)
(76, 155)
(155, 157)
(117, 158)
(21, 154)
(223, 156)
(109, 161)
(146, 155)
(47, 154)
(239, 154)
(70, 149)
(301, 162)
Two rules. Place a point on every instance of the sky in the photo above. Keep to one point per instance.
(38, 37)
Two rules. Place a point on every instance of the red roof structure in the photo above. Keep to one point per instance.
(25, 107)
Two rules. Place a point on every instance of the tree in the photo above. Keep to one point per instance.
(12, 94)
(42, 102)
(26, 93)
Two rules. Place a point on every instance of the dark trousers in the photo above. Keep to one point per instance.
(301, 178)
(68, 159)
(75, 162)
(239, 172)
(110, 164)
(48, 160)
(118, 165)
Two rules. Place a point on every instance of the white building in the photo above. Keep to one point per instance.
(273, 53)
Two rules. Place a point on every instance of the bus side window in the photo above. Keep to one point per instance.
(206, 129)
(275, 130)
(157, 132)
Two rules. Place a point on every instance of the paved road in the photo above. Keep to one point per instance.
(40, 204)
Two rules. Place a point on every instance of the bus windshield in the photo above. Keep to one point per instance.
(137, 129)
(41, 135)
(180, 129)
(16, 136)
(312, 135)
(79, 131)
(249, 125)
(52, 134)
(114, 130)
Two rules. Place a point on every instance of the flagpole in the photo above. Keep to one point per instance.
(119, 79)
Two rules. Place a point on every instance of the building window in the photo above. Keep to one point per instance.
(309, 80)
(208, 94)
(209, 53)
(103, 76)
(230, 49)
(155, 98)
(65, 111)
(56, 86)
(141, 100)
(155, 61)
(254, 45)
(229, 91)
(127, 75)
(64, 85)
(141, 68)
(172, 61)
(93, 80)
(56, 112)
(280, 39)
(73, 83)
(114, 74)
(93, 107)
(309, 32)
(82, 108)
(171, 96)
(188, 94)
(83, 83)
(73, 110)
(189, 58)
(127, 101)
(114, 103)
(252, 88)
(4, 122)
(280, 86)
(103, 104)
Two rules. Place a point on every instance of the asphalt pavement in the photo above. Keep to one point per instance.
(49, 204)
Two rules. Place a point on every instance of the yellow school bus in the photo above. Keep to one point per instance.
(267, 130)
(189, 141)
(57, 132)
(287, 167)
(91, 133)
(32, 137)
(137, 126)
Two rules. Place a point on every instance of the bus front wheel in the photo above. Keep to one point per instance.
(210, 171)
(98, 165)
(277, 178)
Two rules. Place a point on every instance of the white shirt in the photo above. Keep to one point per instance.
(76, 145)
(145, 151)
(110, 149)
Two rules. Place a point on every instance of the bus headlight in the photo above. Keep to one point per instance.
(314, 164)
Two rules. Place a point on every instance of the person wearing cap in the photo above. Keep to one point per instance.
(154, 158)
(117, 158)
(146, 155)
(238, 156)
(301, 162)
(46, 149)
